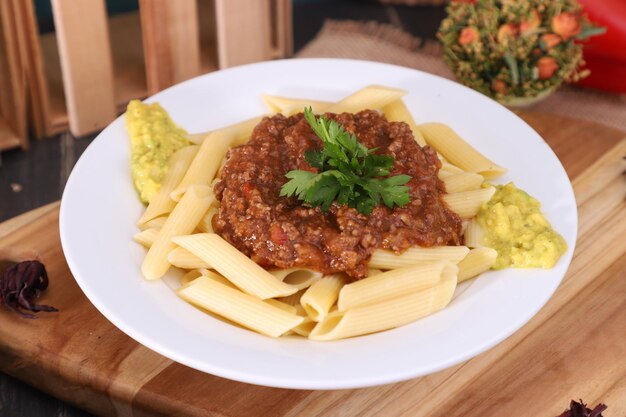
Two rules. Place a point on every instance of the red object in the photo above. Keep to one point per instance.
(606, 54)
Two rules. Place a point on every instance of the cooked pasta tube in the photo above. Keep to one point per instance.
(392, 284)
(370, 97)
(206, 223)
(464, 181)
(476, 262)
(321, 296)
(474, 234)
(298, 277)
(154, 223)
(293, 299)
(373, 271)
(283, 306)
(385, 259)
(386, 314)
(467, 203)
(146, 237)
(458, 151)
(397, 111)
(239, 307)
(448, 167)
(191, 275)
(206, 162)
(183, 219)
(182, 258)
(234, 265)
(161, 203)
(241, 131)
(304, 328)
(279, 104)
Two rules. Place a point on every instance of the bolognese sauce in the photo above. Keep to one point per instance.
(282, 232)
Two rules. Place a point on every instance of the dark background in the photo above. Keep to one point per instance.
(31, 179)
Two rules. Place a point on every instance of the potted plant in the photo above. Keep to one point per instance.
(515, 51)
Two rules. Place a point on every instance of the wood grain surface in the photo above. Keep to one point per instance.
(573, 348)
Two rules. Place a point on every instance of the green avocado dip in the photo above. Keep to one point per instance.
(516, 229)
(154, 137)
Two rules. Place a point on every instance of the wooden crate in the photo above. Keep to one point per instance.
(83, 75)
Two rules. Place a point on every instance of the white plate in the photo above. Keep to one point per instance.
(100, 208)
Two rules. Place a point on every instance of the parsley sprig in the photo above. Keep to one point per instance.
(347, 172)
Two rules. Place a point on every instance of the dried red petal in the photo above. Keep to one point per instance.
(579, 409)
(20, 284)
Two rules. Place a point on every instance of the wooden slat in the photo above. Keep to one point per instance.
(39, 101)
(573, 348)
(208, 36)
(86, 63)
(284, 28)
(12, 77)
(171, 41)
(243, 31)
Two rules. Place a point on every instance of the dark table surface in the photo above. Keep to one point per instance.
(31, 179)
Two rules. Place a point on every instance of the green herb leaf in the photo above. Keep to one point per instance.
(347, 172)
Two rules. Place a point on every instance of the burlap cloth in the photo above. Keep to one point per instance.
(385, 43)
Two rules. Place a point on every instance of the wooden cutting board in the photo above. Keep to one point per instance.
(575, 347)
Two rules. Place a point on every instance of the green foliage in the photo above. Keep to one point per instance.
(347, 172)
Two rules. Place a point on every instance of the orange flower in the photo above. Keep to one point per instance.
(532, 23)
(506, 31)
(547, 66)
(550, 40)
(498, 86)
(566, 25)
(468, 35)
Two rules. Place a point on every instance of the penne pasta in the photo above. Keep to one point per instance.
(371, 97)
(458, 151)
(464, 181)
(146, 237)
(206, 225)
(181, 221)
(298, 277)
(474, 234)
(476, 262)
(321, 296)
(283, 306)
(448, 167)
(240, 132)
(286, 105)
(304, 328)
(234, 265)
(182, 258)
(396, 283)
(372, 271)
(156, 223)
(241, 308)
(190, 276)
(206, 162)
(385, 259)
(293, 299)
(386, 314)
(161, 202)
(467, 203)
(396, 111)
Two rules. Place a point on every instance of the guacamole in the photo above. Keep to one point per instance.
(516, 229)
(154, 137)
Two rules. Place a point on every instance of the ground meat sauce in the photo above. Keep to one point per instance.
(280, 232)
